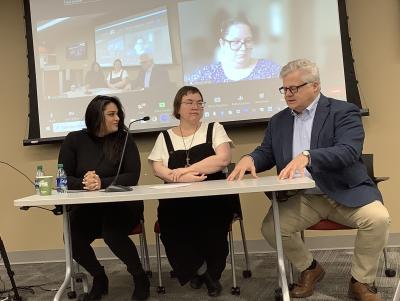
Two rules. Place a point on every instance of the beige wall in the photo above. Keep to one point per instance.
(374, 27)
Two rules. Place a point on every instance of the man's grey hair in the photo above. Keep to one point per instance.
(309, 70)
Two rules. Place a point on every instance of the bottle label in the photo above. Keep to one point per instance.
(61, 184)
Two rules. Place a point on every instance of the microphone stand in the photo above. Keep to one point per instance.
(113, 187)
(10, 273)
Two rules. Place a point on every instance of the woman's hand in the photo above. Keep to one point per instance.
(178, 173)
(91, 181)
(192, 176)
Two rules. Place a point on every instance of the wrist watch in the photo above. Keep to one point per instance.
(307, 154)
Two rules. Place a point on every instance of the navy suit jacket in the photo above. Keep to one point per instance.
(337, 138)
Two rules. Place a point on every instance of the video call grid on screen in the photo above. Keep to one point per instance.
(183, 38)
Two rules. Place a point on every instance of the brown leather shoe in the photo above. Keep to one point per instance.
(307, 281)
(363, 292)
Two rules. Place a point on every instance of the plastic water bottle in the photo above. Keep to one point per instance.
(61, 179)
(39, 173)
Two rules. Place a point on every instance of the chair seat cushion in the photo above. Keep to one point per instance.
(326, 224)
(137, 229)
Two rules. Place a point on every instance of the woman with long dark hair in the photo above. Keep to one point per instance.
(91, 158)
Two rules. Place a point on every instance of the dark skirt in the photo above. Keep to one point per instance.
(193, 231)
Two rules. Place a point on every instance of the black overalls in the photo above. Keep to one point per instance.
(114, 80)
(194, 230)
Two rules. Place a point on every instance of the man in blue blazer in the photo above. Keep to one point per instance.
(321, 138)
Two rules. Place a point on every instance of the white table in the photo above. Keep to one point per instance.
(149, 192)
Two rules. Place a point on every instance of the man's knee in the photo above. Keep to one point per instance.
(267, 229)
(378, 219)
(381, 220)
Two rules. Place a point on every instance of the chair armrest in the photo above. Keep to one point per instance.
(380, 179)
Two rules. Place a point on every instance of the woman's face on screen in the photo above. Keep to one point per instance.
(237, 45)
(96, 67)
(111, 119)
(117, 66)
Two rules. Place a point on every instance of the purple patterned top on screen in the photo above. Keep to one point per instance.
(214, 73)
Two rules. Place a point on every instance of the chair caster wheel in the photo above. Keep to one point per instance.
(172, 274)
(71, 295)
(79, 277)
(235, 291)
(390, 273)
(149, 274)
(278, 294)
(246, 274)
(160, 290)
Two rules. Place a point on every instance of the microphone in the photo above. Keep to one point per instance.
(113, 187)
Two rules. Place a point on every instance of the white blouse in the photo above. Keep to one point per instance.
(160, 150)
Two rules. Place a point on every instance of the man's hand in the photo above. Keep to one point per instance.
(245, 164)
(298, 163)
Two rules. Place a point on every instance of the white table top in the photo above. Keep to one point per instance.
(154, 192)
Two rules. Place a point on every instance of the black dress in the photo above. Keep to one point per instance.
(194, 230)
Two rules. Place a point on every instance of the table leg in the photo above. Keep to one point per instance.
(68, 255)
(397, 293)
(279, 249)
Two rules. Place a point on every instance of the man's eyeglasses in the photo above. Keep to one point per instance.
(292, 89)
(236, 45)
(199, 104)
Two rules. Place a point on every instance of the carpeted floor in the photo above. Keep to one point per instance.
(260, 286)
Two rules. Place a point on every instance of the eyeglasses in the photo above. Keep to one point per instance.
(292, 89)
(236, 45)
(199, 104)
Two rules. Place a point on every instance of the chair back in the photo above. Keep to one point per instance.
(368, 160)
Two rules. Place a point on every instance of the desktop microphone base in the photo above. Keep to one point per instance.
(118, 188)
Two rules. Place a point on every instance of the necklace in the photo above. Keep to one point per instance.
(187, 150)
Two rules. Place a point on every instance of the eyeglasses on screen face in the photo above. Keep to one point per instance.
(237, 44)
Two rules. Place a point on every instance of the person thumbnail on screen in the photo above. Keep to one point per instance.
(141, 46)
(236, 63)
(118, 77)
(150, 75)
(95, 77)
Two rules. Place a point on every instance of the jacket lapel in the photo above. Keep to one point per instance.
(321, 113)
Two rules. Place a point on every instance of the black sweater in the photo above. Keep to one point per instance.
(81, 152)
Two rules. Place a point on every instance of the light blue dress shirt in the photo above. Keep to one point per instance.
(147, 76)
(302, 127)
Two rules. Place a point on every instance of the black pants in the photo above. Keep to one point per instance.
(111, 221)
